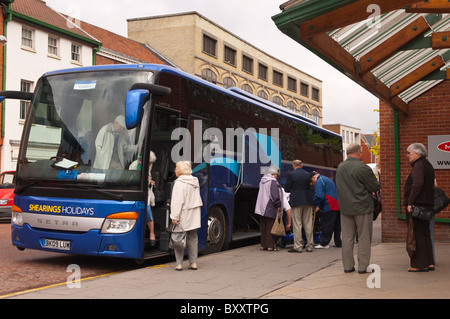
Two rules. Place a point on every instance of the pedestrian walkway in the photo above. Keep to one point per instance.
(250, 273)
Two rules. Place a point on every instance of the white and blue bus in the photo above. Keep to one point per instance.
(73, 196)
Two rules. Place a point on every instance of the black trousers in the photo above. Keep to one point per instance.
(331, 224)
(424, 248)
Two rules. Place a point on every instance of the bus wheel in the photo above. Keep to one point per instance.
(215, 237)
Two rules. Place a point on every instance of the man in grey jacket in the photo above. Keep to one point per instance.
(355, 183)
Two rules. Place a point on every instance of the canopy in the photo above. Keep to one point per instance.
(397, 50)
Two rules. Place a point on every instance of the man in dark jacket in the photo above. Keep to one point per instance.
(355, 183)
(301, 201)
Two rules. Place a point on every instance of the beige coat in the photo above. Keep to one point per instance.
(186, 202)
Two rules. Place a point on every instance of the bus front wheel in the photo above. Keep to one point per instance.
(216, 233)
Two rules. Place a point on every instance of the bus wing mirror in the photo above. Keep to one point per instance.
(133, 106)
(137, 97)
(17, 95)
(154, 89)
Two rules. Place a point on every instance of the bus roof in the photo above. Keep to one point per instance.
(235, 92)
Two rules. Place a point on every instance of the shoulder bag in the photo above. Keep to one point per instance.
(441, 201)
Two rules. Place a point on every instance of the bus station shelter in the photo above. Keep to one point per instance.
(400, 52)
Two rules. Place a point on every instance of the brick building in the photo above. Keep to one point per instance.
(399, 51)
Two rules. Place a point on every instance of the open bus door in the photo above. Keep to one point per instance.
(259, 152)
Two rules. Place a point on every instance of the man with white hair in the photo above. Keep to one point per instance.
(110, 145)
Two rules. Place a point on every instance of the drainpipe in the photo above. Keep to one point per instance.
(397, 167)
(94, 53)
(5, 22)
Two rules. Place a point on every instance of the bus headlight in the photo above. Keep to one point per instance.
(16, 216)
(119, 223)
(3, 201)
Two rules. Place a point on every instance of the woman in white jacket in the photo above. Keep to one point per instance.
(185, 207)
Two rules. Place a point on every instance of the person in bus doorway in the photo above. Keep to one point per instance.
(151, 201)
(419, 190)
(355, 183)
(298, 184)
(268, 204)
(325, 198)
(185, 207)
(110, 145)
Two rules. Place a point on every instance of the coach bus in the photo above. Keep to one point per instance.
(79, 192)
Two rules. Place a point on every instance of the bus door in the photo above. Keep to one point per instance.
(260, 151)
(162, 171)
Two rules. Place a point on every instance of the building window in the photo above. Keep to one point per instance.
(53, 44)
(304, 88)
(304, 111)
(76, 53)
(315, 94)
(247, 88)
(209, 45)
(262, 72)
(209, 75)
(292, 106)
(25, 86)
(27, 38)
(263, 95)
(247, 64)
(277, 78)
(292, 84)
(230, 56)
(278, 100)
(315, 116)
(228, 83)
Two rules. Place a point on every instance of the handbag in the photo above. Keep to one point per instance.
(177, 238)
(278, 227)
(441, 200)
(422, 213)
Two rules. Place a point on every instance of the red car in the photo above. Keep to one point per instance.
(7, 180)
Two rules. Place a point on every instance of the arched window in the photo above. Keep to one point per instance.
(315, 116)
(247, 88)
(292, 106)
(304, 111)
(263, 95)
(228, 82)
(278, 100)
(209, 75)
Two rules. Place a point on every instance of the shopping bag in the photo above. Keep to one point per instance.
(278, 226)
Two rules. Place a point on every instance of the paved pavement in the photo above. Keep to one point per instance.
(248, 273)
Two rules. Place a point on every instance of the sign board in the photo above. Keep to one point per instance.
(439, 151)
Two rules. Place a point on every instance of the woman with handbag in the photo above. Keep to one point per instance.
(185, 207)
(419, 197)
(269, 204)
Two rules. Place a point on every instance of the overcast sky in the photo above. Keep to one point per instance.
(344, 101)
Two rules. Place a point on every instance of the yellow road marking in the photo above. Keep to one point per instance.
(74, 281)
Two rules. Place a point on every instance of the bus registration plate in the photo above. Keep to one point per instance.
(56, 244)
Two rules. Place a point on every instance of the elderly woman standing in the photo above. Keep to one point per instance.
(268, 204)
(185, 207)
(419, 190)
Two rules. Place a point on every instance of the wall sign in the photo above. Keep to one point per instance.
(439, 151)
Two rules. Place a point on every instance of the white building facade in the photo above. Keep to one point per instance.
(34, 48)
